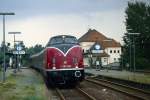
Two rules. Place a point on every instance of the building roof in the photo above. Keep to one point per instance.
(92, 36)
(95, 36)
(109, 43)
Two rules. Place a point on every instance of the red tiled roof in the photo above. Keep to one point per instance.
(95, 36)
(92, 36)
(109, 43)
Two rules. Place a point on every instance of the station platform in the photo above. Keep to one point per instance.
(26, 84)
(126, 75)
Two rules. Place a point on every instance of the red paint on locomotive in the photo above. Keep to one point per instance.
(56, 59)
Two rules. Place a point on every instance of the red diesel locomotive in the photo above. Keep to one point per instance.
(61, 62)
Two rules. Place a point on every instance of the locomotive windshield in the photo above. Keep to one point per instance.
(63, 40)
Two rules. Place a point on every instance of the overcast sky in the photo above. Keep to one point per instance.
(38, 20)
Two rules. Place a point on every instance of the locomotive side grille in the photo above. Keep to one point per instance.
(75, 62)
(53, 63)
(53, 60)
(65, 61)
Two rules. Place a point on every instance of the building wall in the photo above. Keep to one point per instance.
(86, 45)
(114, 53)
(86, 62)
(104, 61)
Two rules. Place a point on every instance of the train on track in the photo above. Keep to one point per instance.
(61, 62)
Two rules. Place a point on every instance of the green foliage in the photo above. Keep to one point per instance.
(2, 53)
(137, 21)
(25, 58)
(33, 50)
(143, 63)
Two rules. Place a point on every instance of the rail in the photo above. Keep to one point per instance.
(117, 89)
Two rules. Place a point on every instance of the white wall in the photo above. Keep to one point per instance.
(86, 62)
(104, 60)
(86, 45)
(114, 55)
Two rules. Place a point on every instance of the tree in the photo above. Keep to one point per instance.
(7, 48)
(34, 49)
(137, 21)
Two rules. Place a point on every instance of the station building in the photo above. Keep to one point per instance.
(97, 47)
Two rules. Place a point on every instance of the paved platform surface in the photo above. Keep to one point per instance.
(133, 76)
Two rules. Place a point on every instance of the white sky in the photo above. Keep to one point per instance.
(38, 20)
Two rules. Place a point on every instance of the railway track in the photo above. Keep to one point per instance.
(125, 86)
(88, 90)
(127, 90)
(141, 86)
(73, 94)
(98, 89)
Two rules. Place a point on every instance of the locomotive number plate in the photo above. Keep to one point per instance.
(67, 66)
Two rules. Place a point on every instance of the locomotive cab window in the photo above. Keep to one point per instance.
(56, 40)
(70, 40)
(62, 39)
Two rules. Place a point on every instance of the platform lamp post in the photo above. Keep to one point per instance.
(134, 68)
(4, 63)
(14, 36)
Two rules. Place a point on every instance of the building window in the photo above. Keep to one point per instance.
(110, 51)
(114, 59)
(114, 51)
(118, 51)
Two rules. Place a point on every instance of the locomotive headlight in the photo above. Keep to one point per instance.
(65, 62)
(77, 74)
(54, 67)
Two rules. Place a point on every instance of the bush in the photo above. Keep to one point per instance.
(142, 63)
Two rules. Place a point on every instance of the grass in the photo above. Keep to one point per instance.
(22, 87)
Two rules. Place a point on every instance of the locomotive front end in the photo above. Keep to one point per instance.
(64, 60)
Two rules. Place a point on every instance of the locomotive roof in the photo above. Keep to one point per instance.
(63, 35)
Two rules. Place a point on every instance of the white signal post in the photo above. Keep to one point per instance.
(4, 63)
